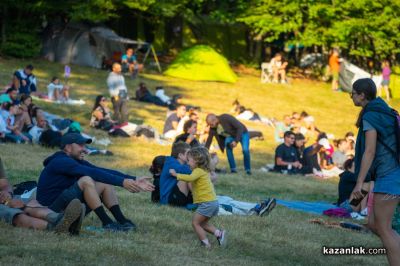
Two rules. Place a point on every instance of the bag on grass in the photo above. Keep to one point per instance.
(21, 188)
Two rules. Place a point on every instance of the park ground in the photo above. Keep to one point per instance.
(164, 235)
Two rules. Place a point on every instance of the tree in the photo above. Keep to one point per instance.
(363, 28)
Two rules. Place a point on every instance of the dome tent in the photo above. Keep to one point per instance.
(86, 45)
(201, 63)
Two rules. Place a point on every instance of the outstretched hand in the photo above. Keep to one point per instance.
(131, 185)
(144, 184)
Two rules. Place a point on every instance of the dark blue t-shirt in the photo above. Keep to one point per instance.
(287, 154)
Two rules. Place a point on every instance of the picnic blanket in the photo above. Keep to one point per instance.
(68, 102)
(304, 206)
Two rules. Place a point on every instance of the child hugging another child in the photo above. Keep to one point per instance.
(203, 195)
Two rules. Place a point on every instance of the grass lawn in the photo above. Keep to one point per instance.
(165, 235)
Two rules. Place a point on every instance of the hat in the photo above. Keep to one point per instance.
(71, 138)
(324, 143)
(5, 98)
(309, 119)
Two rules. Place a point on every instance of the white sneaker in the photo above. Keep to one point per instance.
(222, 238)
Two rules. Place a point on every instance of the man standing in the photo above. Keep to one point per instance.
(334, 65)
(229, 131)
(66, 176)
(286, 155)
(24, 81)
(119, 93)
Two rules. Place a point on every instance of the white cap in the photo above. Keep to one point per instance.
(309, 119)
(324, 143)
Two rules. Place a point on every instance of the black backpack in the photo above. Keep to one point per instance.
(21, 188)
(156, 168)
(50, 138)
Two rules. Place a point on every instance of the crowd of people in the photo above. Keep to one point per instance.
(71, 187)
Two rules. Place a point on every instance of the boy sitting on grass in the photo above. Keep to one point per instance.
(203, 195)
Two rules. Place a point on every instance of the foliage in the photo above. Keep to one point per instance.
(21, 44)
(365, 28)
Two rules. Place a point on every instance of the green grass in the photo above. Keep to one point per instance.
(165, 236)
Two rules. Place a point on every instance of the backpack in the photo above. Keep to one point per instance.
(156, 165)
(21, 188)
(50, 138)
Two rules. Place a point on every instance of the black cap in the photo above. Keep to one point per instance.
(71, 138)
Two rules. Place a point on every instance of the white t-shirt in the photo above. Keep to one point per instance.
(275, 63)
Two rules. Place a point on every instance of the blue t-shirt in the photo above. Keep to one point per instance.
(167, 181)
(384, 160)
(130, 60)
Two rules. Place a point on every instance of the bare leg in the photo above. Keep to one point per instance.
(23, 220)
(383, 210)
(131, 68)
(87, 185)
(197, 222)
(107, 193)
(276, 75)
(334, 84)
(209, 227)
(66, 92)
(386, 88)
(379, 92)
(282, 72)
(34, 209)
(56, 95)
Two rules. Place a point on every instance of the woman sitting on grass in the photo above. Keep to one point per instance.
(101, 114)
(203, 194)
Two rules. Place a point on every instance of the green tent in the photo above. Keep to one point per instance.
(201, 62)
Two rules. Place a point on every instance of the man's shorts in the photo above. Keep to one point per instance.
(177, 198)
(61, 202)
(8, 214)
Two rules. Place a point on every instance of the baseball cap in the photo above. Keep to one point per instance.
(324, 143)
(71, 138)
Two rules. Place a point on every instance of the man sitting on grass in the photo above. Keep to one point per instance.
(67, 176)
(172, 191)
(170, 130)
(24, 81)
(286, 160)
(16, 212)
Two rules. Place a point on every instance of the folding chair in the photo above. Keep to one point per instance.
(266, 73)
